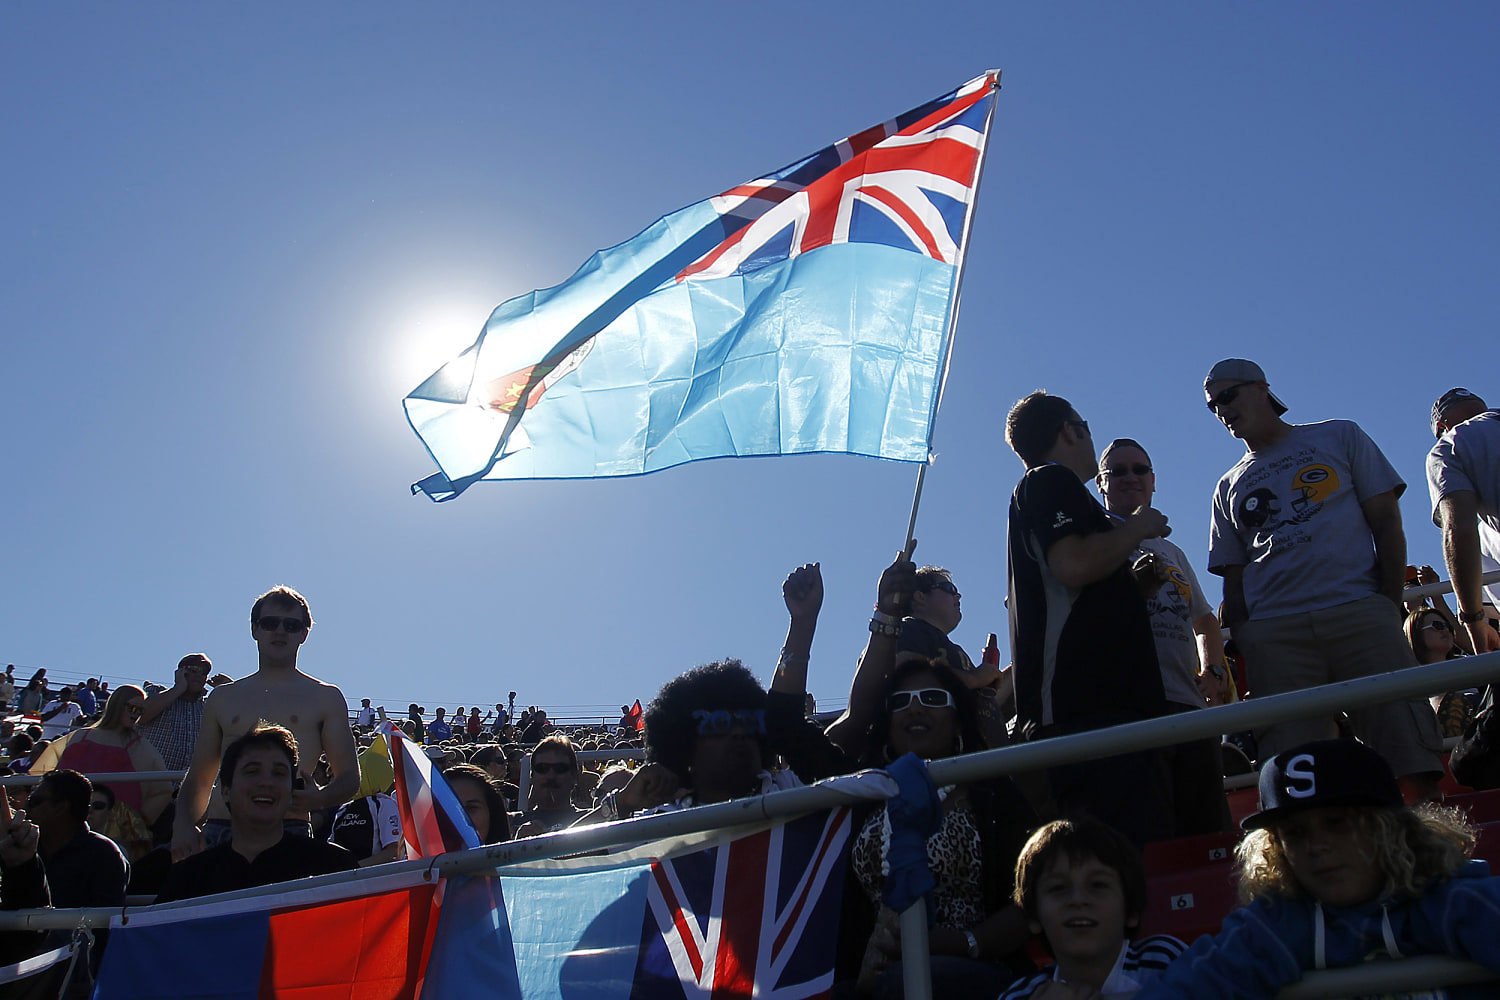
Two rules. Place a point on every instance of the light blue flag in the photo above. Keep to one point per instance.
(577, 935)
(472, 952)
(805, 311)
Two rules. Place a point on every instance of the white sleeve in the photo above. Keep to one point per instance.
(387, 822)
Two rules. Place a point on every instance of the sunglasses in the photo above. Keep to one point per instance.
(1129, 470)
(274, 623)
(721, 721)
(1225, 397)
(946, 586)
(99, 806)
(899, 701)
(1437, 625)
(561, 767)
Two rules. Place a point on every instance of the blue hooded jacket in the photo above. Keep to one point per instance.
(1271, 942)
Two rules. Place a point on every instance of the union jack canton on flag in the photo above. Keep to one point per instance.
(809, 310)
(755, 917)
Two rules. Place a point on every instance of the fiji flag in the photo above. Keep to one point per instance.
(808, 310)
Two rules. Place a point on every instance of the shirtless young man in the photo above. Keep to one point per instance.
(279, 693)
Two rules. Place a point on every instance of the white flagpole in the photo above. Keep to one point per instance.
(963, 259)
(916, 968)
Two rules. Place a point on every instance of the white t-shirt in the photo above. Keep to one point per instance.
(1173, 608)
(1468, 458)
(1489, 559)
(1291, 515)
(60, 723)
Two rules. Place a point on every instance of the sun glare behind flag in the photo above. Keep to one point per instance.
(809, 310)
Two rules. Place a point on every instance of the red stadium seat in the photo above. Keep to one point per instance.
(1189, 885)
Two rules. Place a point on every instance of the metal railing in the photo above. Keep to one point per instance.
(1326, 700)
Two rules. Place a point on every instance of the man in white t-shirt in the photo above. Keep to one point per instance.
(1307, 535)
(1189, 643)
(57, 716)
(1463, 479)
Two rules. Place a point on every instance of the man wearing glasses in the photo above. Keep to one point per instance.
(1307, 536)
(281, 694)
(170, 719)
(1189, 644)
(1081, 640)
(554, 776)
(935, 613)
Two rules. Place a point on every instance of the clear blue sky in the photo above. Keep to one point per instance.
(234, 236)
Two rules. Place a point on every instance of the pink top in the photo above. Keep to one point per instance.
(87, 757)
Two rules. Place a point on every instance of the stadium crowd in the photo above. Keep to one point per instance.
(1109, 624)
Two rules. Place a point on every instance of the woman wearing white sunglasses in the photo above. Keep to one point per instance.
(977, 935)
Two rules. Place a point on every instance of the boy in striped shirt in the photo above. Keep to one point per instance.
(1082, 885)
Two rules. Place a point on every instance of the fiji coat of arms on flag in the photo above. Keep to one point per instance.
(808, 310)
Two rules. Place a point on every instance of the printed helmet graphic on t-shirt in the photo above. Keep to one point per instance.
(1259, 507)
(1179, 583)
(1313, 485)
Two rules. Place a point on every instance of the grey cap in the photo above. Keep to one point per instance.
(1446, 400)
(1240, 370)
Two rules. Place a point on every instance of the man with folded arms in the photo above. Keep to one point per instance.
(1307, 535)
(279, 693)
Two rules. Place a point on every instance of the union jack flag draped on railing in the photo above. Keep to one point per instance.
(808, 310)
(730, 915)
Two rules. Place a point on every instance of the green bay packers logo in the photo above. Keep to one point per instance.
(1313, 485)
(1179, 583)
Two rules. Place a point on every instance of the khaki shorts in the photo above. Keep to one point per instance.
(1359, 639)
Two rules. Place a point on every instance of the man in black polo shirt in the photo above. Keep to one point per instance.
(1081, 639)
(256, 773)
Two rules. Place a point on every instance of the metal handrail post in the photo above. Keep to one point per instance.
(916, 954)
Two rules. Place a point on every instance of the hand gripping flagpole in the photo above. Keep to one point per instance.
(958, 281)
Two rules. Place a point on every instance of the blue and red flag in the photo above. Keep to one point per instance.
(366, 939)
(808, 310)
(433, 821)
